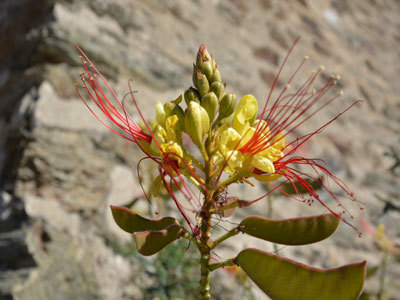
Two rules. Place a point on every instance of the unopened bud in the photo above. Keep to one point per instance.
(218, 89)
(216, 76)
(168, 108)
(203, 62)
(210, 104)
(202, 84)
(194, 75)
(213, 63)
(181, 115)
(207, 69)
(202, 55)
(172, 109)
(227, 106)
(191, 95)
(197, 122)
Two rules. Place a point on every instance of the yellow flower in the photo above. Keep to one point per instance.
(247, 144)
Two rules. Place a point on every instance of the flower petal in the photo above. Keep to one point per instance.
(262, 163)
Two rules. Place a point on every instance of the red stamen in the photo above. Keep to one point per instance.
(94, 90)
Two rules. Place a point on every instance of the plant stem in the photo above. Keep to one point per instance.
(205, 249)
(234, 178)
(224, 237)
(226, 263)
(205, 227)
(205, 277)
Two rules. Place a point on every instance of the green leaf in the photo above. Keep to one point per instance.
(150, 242)
(296, 231)
(284, 279)
(131, 222)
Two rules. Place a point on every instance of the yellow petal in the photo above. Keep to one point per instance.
(245, 113)
(262, 163)
(247, 135)
(228, 140)
(160, 113)
(235, 159)
(171, 124)
(174, 148)
(160, 135)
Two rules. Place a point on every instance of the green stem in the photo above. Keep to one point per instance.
(204, 153)
(234, 204)
(205, 277)
(233, 178)
(205, 225)
(205, 250)
(226, 263)
(194, 181)
(224, 237)
(188, 236)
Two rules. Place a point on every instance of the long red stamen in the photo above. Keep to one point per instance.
(92, 86)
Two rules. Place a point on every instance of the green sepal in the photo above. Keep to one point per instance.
(190, 95)
(131, 222)
(218, 88)
(227, 106)
(210, 104)
(201, 83)
(296, 231)
(284, 279)
(216, 76)
(151, 242)
(178, 99)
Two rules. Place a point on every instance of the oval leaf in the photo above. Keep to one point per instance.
(150, 242)
(131, 222)
(284, 279)
(296, 231)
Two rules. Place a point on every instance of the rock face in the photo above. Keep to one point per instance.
(61, 168)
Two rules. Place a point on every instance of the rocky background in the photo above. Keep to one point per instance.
(60, 168)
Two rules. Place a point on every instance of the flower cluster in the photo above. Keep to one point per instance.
(233, 138)
(234, 143)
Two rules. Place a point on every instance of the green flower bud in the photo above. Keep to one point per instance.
(171, 109)
(194, 75)
(216, 76)
(206, 69)
(197, 123)
(213, 63)
(202, 84)
(190, 95)
(202, 56)
(168, 108)
(181, 116)
(210, 104)
(218, 88)
(221, 121)
(227, 106)
(203, 62)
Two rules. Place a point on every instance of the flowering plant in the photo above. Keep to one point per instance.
(231, 144)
